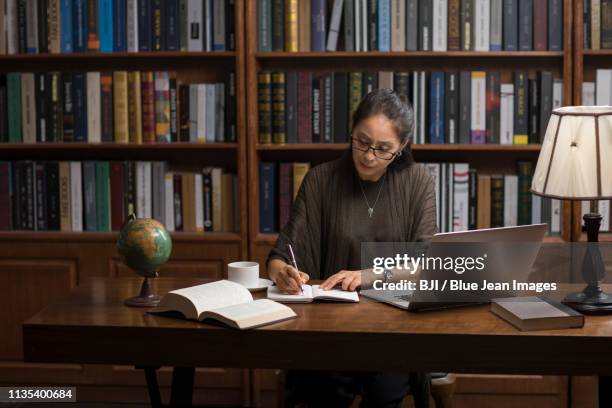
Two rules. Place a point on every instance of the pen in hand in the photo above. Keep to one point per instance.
(294, 264)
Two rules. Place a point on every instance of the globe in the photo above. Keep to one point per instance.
(144, 244)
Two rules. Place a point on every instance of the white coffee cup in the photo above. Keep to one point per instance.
(245, 273)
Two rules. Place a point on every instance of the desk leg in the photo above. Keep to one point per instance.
(152, 386)
(605, 391)
(182, 386)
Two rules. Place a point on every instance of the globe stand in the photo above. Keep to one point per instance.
(146, 298)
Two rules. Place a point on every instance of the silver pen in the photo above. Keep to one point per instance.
(293, 262)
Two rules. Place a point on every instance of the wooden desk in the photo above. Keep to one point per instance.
(93, 326)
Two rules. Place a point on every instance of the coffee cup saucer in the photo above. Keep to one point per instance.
(262, 285)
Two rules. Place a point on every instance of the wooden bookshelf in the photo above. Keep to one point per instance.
(489, 158)
(586, 62)
(41, 266)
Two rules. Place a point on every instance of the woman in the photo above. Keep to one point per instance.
(374, 193)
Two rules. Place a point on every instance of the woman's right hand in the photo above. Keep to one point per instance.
(290, 280)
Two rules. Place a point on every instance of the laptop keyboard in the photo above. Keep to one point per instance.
(403, 297)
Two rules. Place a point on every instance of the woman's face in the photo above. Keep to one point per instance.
(378, 132)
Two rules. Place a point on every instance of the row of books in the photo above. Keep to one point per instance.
(410, 25)
(98, 195)
(598, 92)
(464, 199)
(119, 106)
(450, 107)
(67, 26)
(597, 24)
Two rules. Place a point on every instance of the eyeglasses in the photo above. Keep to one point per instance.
(379, 153)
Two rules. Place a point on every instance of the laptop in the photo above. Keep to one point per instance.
(513, 253)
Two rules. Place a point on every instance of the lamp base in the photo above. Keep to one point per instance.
(590, 303)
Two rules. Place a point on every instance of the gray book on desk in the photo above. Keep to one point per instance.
(536, 313)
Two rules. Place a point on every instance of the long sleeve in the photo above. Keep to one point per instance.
(424, 206)
(303, 230)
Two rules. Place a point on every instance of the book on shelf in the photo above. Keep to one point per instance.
(536, 313)
(224, 301)
(97, 196)
(450, 107)
(120, 106)
(597, 24)
(60, 26)
(310, 293)
(409, 25)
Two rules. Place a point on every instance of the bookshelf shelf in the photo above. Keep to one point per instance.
(412, 54)
(113, 56)
(39, 236)
(597, 53)
(122, 147)
(270, 239)
(415, 147)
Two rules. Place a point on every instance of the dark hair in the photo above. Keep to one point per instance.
(398, 110)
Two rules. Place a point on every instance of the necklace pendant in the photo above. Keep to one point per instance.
(370, 211)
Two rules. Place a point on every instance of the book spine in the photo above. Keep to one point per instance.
(173, 107)
(510, 25)
(105, 25)
(199, 203)
(482, 28)
(460, 197)
(13, 81)
(299, 172)
(120, 102)
(546, 102)
(28, 107)
(305, 24)
(52, 201)
(278, 25)
(452, 107)
(318, 24)
(291, 118)
(334, 26)
(279, 134)
(454, 25)
(210, 113)
(440, 25)
(264, 26)
(412, 25)
(264, 106)
(79, 98)
(178, 206)
(540, 25)
(184, 124)
(171, 26)
(4, 130)
(506, 108)
(93, 108)
(497, 201)
(472, 199)
(31, 23)
(220, 112)
(493, 107)
(199, 113)
(340, 107)
(291, 26)
(117, 191)
(467, 25)
(606, 24)
(316, 108)
(144, 25)
(169, 201)
(496, 33)
(525, 18)
(465, 97)
(384, 25)
(267, 197)
(436, 111)
(41, 106)
(148, 106)
(65, 197)
(230, 26)
(231, 108)
(81, 28)
(131, 30)
(217, 199)
(106, 104)
(40, 187)
(305, 107)
(285, 193)
(595, 24)
(207, 200)
(93, 38)
(510, 200)
(328, 98)
(208, 28)
(162, 107)
(533, 111)
(525, 171)
(55, 108)
(520, 108)
(478, 114)
(134, 107)
(355, 94)
(89, 195)
(425, 26)
(157, 29)
(43, 25)
(183, 28)
(398, 24)
(102, 196)
(555, 25)
(371, 25)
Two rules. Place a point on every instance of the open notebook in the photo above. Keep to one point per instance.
(311, 293)
(224, 301)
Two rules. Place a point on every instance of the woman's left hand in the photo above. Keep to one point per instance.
(350, 280)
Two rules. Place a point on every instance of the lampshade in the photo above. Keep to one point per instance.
(575, 160)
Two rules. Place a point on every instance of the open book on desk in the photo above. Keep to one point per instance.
(225, 301)
(311, 293)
